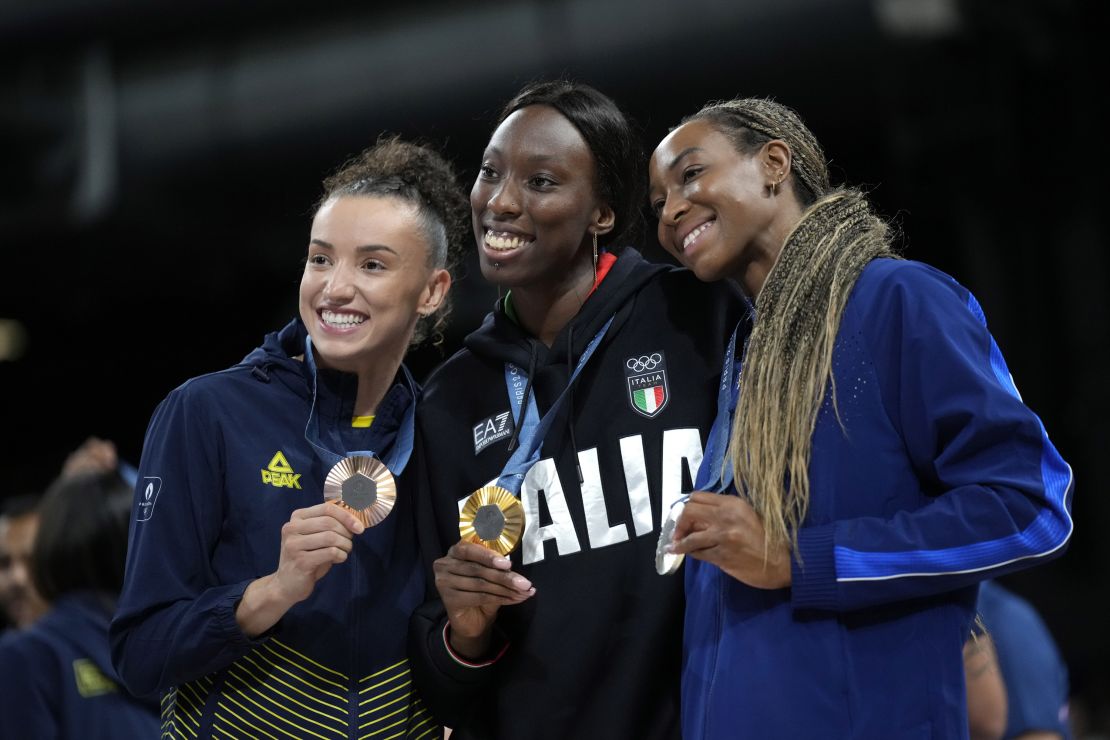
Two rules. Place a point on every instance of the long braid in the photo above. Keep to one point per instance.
(788, 365)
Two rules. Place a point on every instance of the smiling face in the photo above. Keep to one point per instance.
(717, 214)
(534, 202)
(366, 281)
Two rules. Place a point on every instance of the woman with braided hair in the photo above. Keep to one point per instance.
(876, 460)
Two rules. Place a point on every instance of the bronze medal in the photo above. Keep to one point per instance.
(363, 485)
(493, 517)
(667, 563)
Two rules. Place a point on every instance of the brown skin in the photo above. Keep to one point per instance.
(474, 583)
(747, 208)
(726, 531)
(986, 693)
(536, 189)
(95, 455)
(698, 177)
(535, 185)
(18, 596)
(367, 257)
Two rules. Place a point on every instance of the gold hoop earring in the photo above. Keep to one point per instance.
(595, 258)
(774, 187)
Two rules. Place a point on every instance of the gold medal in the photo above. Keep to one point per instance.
(364, 486)
(492, 517)
(667, 563)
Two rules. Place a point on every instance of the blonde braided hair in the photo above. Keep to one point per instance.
(788, 364)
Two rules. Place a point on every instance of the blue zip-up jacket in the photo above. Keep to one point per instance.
(224, 464)
(56, 679)
(939, 478)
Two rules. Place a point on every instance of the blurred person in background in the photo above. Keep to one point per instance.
(986, 693)
(96, 455)
(1034, 674)
(56, 676)
(20, 603)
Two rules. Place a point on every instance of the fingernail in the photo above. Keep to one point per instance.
(359, 529)
(501, 562)
(521, 583)
(669, 548)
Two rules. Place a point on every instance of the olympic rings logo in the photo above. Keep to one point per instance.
(642, 363)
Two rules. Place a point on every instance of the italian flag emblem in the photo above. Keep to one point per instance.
(647, 400)
(646, 376)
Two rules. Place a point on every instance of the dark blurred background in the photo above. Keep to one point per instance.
(160, 160)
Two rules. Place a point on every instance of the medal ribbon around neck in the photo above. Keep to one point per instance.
(493, 515)
(358, 480)
(713, 474)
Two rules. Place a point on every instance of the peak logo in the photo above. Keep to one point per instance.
(279, 473)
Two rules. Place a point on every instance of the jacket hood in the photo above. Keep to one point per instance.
(275, 357)
(502, 339)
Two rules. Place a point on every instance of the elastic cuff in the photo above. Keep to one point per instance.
(224, 614)
(813, 569)
(467, 662)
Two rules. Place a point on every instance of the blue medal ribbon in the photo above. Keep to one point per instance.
(401, 449)
(533, 429)
(715, 474)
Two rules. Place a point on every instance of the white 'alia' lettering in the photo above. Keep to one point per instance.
(682, 452)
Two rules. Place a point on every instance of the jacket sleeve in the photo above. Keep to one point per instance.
(175, 622)
(998, 492)
(449, 684)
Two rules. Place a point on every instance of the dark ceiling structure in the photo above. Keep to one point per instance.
(160, 161)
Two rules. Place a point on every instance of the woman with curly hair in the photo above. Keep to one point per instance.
(273, 560)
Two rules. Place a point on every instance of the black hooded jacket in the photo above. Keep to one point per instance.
(596, 652)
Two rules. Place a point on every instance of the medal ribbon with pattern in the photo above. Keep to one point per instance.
(358, 480)
(493, 515)
(713, 474)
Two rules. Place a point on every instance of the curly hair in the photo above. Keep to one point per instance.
(416, 174)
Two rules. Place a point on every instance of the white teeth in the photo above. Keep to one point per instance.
(693, 235)
(503, 241)
(341, 319)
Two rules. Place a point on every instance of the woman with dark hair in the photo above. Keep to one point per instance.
(273, 563)
(876, 458)
(584, 394)
(56, 677)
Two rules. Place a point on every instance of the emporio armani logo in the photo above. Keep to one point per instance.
(488, 431)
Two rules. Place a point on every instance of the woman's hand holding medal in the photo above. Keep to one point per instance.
(726, 531)
(312, 541)
(474, 582)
